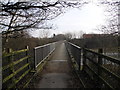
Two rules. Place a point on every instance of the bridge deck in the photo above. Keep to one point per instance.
(57, 73)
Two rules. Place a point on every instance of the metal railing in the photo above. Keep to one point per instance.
(42, 52)
(16, 65)
(76, 53)
(104, 75)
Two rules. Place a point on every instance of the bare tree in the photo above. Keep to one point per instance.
(68, 36)
(24, 15)
(44, 33)
(17, 16)
(80, 34)
(112, 11)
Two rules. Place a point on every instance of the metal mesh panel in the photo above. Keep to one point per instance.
(42, 52)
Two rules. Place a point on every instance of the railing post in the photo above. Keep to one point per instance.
(119, 46)
(84, 58)
(79, 59)
(100, 62)
(11, 58)
(1, 61)
(34, 50)
(27, 55)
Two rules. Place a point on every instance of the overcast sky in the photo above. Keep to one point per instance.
(85, 19)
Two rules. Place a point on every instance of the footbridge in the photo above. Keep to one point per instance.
(60, 65)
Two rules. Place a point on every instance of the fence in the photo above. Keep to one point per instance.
(104, 75)
(76, 53)
(15, 66)
(42, 52)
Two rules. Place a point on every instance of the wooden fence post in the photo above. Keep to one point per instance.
(34, 59)
(100, 62)
(118, 49)
(27, 55)
(11, 60)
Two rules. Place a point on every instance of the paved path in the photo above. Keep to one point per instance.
(57, 73)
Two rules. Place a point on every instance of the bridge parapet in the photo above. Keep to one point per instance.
(43, 52)
(105, 75)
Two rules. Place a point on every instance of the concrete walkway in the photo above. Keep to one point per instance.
(57, 73)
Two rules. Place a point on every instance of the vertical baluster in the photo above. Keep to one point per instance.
(35, 62)
(99, 69)
(79, 59)
(42, 52)
(84, 58)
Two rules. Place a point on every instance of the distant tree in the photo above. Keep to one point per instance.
(44, 33)
(80, 34)
(18, 16)
(74, 35)
(68, 36)
(59, 37)
(112, 14)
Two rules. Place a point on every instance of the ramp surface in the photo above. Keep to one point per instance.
(57, 73)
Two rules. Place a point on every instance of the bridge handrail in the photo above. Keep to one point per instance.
(74, 45)
(104, 56)
(97, 61)
(44, 45)
(42, 52)
(76, 53)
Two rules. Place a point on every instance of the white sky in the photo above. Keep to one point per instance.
(85, 19)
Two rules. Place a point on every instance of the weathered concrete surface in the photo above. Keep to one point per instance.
(54, 80)
(57, 73)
